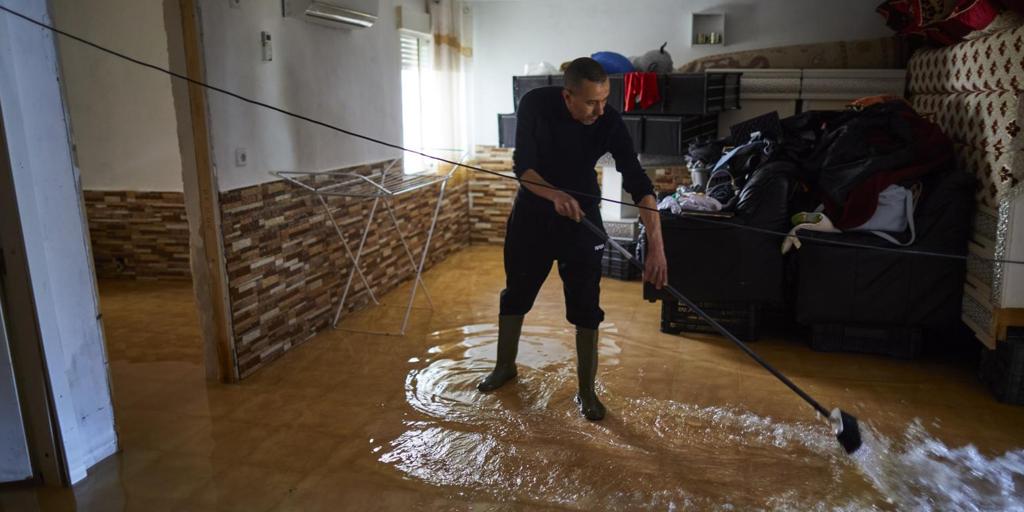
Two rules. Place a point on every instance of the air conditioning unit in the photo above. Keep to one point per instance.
(334, 13)
(416, 21)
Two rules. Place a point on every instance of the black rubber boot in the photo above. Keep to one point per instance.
(509, 328)
(586, 371)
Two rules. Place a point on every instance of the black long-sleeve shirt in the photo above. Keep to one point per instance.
(565, 151)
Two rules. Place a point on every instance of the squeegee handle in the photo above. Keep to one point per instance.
(707, 318)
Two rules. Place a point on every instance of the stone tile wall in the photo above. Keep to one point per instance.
(666, 179)
(138, 235)
(286, 265)
(490, 197)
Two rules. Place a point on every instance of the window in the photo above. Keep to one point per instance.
(416, 51)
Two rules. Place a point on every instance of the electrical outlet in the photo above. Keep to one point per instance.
(241, 157)
(268, 49)
(235, 4)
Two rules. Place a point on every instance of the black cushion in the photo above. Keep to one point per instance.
(716, 260)
(850, 286)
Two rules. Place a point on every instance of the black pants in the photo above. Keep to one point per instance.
(536, 237)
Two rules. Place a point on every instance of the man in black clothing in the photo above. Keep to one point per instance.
(561, 134)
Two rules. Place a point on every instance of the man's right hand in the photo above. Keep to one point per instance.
(567, 206)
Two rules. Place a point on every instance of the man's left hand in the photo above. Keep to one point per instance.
(655, 265)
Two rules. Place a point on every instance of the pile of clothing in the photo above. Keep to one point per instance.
(855, 170)
(845, 184)
(687, 199)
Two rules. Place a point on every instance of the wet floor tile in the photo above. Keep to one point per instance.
(350, 421)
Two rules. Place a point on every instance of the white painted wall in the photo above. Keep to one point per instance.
(511, 33)
(48, 192)
(122, 114)
(350, 78)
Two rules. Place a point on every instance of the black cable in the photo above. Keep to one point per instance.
(474, 168)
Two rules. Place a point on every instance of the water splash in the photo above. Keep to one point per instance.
(527, 443)
(920, 472)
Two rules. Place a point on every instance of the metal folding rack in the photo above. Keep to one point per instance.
(381, 185)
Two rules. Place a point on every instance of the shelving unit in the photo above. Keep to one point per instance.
(689, 108)
(707, 29)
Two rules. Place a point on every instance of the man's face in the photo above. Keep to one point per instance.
(586, 103)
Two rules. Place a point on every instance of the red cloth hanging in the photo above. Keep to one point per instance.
(641, 90)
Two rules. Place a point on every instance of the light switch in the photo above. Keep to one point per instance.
(241, 157)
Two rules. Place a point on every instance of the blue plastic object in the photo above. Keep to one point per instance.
(613, 62)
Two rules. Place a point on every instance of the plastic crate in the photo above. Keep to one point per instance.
(616, 265)
(741, 319)
(902, 342)
(695, 127)
(1003, 368)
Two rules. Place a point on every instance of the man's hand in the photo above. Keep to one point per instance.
(567, 206)
(655, 265)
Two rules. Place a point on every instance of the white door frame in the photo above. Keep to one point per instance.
(16, 464)
(46, 454)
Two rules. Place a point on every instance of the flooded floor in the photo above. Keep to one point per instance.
(360, 422)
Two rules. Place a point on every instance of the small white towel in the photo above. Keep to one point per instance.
(812, 221)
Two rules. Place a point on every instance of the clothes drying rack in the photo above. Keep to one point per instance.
(382, 185)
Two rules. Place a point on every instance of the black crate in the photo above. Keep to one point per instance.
(695, 127)
(681, 93)
(507, 130)
(741, 319)
(524, 84)
(902, 342)
(1003, 368)
(768, 125)
(616, 265)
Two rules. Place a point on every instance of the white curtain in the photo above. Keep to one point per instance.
(448, 114)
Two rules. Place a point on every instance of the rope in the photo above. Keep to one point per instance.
(472, 167)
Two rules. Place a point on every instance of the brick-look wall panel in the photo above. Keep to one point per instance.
(491, 196)
(141, 235)
(286, 266)
(666, 179)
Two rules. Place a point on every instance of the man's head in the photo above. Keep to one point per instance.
(586, 90)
